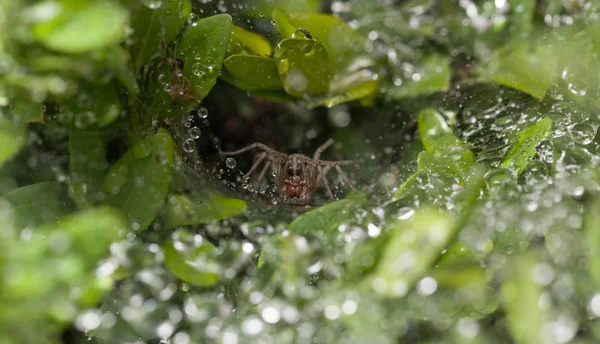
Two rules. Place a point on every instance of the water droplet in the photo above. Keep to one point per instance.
(194, 132)
(302, 33)
(85, 119)
(405, 213)
(583, 133)
(497, 179)
(295, 82)
(193, 19)
(307, 48)
(230, 162)
(198, 69)
(202, 112)
(189, 146)
(154, 4)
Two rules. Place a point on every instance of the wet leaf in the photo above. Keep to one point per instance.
(430, 164)
(591, 227)
(149, 24)
(181, 211)
(324, 219)
(339, 39)
(253, 72)
(138, 183)
(346, 91)
(202, 48)
(433, 76)
(32, 205)
(12, 138)
(90, 231)
(524, 149)
(94, 106)
(302, 66)
(528, 67)
(243, 41)
(75, 30)
(87, 164)
(437, 137)
(520, 298)
(410, 251)
(197, 265)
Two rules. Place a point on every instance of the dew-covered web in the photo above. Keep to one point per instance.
(473, 124)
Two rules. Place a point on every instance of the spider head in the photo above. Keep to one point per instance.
(295, 186)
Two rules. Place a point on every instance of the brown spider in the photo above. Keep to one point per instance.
(297, 174)
(181, 89)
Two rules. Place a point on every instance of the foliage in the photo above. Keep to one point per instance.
(474, 123)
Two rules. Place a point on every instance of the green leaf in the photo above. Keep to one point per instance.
(524, 149)
(431, 164)
(181, 211)
(32, 205)
(348, 87)
(303, 67)
(138, 183)
(12, 138)
(76, 31)
(410, 251)
(24, 107)
(87, 164)
(520, 298)
(202, 48)
(94, 106)
(196, 264)
(437, 137)
(246, 42)
(434, 75)
(339, 39)
(591, 226)
(432, 126)
(528, 67)
(149, 24)
(283, 23)
(253, 72)
(324, 219)
(91, 232)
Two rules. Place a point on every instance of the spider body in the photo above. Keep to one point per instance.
(297, 175)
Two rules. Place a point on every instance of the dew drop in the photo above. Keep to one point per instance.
(230, 162)
(302, 33)
(153, 4)
(582, 133)
(202, 112)
(194, 132)
(198, 69)
(189, 146)
(193, 19)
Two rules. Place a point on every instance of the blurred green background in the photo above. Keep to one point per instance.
(474, 123)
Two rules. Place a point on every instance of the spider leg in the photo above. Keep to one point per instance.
(262, 173)
(261, 157)
(323, 175)
(339, 169)
(344, 163)
(322, 148)
(252, 146)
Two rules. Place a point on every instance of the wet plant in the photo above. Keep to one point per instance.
(474, 123)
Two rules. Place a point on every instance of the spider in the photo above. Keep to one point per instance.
(297, 175)
(181, 89)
